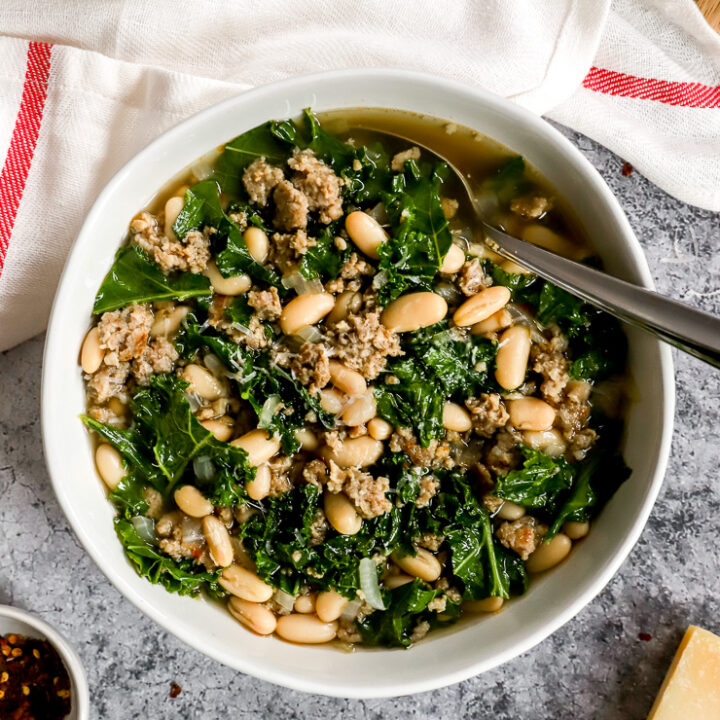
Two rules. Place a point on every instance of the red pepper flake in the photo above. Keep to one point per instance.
(645, 637)
(627, 169)
(175, 690)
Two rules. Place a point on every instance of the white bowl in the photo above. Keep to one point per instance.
(444, 657)
(17, 621)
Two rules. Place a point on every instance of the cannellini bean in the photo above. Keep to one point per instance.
(233, 285)
(514, 269)
(481, 306)
(424, 565)
(510, 511)
(354, 452)
(221, 428)
(109, 465)
(305, 604)
(257, 617)
(259, 446)
(456, 417)
(576, 530)
(305, 310)
(91, 354)
(172, 209)
(347, 302)
(192, 502)
(529, 413)
(259, 487)
(168, 321)
(487, 605)
(347, 380)
(360, 410)
(218, 540)
(245, 584)
(497, 321)
(414, 311)
(396, 581)
(453, 260)
(379, 429)
(202, 382)
(512, 357)
(257, 243)
(240, 554)
(549, 554)
(551, 442)
(579, 390)
(366, 232)
(546, 238)
(332, 400)
(341, 513)
(307, 438)
(329, 605)
(305, 629)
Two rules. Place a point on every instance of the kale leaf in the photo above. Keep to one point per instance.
(438, 364)
(134, 278)
(323, 259)
(178, 576)
(538, 483)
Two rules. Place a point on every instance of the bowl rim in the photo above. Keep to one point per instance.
(545, 133)
(70, 658)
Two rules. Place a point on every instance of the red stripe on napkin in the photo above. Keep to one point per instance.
(24, 138)
(684, 94)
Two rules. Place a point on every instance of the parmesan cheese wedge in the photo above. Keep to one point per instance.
(691, 689)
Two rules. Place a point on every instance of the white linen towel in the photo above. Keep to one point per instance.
(85, 85)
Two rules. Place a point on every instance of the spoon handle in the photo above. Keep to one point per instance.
(694, 331)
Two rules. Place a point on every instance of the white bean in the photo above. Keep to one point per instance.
(305, 629)
(192, 502)
(487, 605)
(257, 243)
(245, 584)
(514, 269)
(259, 487)
(497, 321)
(456, 418)
(546, 238)
(172, 209)
(549, 554)
(366, 232)
(307, 438)
(576, 530)
(414, 311)
(218, 540)
(341, 513)
(202, 382)
(360, 410)
(453, 261)
(512, 357)
(354, 452)
(221, 428)
(347, 380)
(379, 429)
(332, 400)
(396, 581)
(233, 285)
(551, 442)
(510, 511)
(305, 604)
(257, 617)
(347, 302)
(110, 465)
(91, 354)
(258, 444)
(529, 413)
(424, 565)
(305, 310)
(329, 605)
(481, 306)
(168, 320)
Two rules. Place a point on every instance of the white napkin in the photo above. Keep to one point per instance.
(85, 85)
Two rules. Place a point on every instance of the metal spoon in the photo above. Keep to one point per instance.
(693, 331)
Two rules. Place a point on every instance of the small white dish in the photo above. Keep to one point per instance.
(24, 623)
(444, 657)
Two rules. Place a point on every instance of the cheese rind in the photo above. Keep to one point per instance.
(691, 688)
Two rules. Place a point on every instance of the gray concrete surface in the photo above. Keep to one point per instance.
(594, 667)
